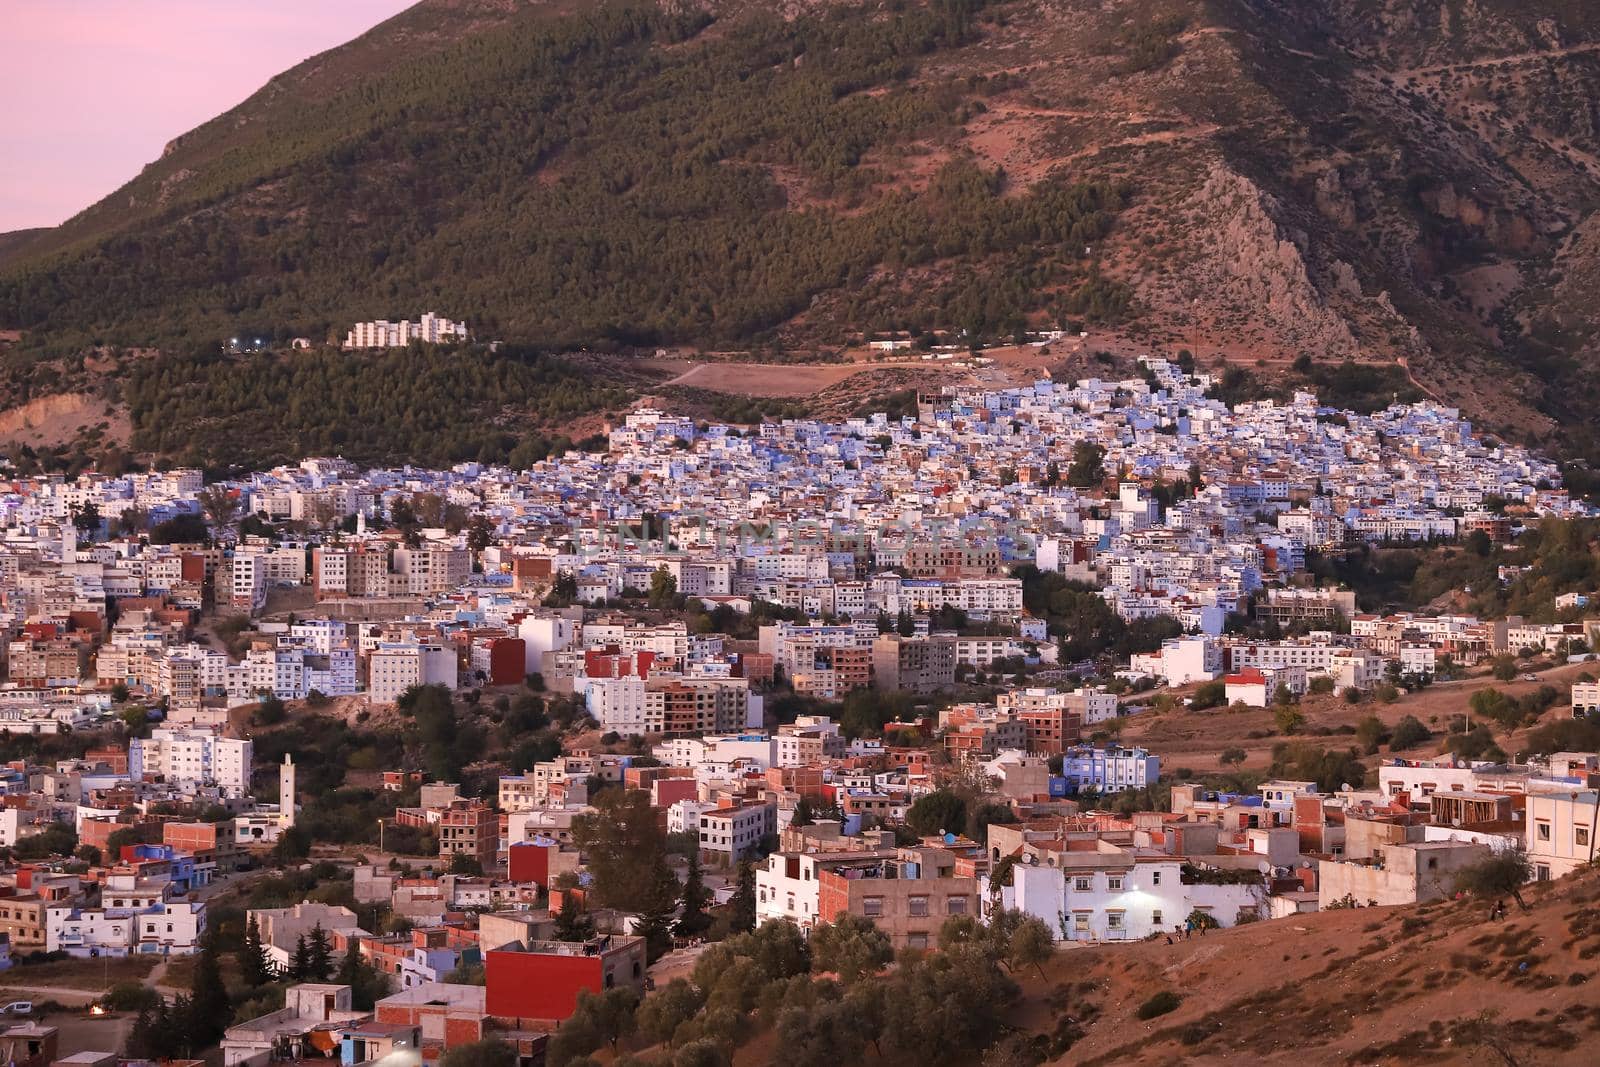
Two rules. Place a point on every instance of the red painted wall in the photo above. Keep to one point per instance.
(528, 863)
(507, 660)
(524, 985)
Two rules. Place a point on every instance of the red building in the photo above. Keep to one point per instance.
(507, 661)
(539, 984)
(528, 861)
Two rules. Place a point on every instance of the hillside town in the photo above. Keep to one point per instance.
(395, 762)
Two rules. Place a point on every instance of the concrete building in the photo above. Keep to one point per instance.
(1562, 831)
(918, 665)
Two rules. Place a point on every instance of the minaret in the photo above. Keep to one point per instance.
(361, 524)
(69, 541)
(286, 804)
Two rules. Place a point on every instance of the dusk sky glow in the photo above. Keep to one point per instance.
(90, 90)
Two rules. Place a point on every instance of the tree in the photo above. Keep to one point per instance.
(1030, 945)
(742, 908)
(940, 811)
(1087, 468)
(299, 961)
(86, 517)
(1209, 695)
(220, 504)
(480, 534)
(663, 588)
(1505, 668)
(608, 1015)
(255, 966)
(986, 815)
(702, 1052)
(852, 946)
(1288, 718)
(465, 863)
(157, 1033)
(1232, 757)
(1408, 733)
(803, 813)
(210, 1009)
(1498, 875)
(826, 1034)
(319, 956)
(367, 983)
(487, 1053)
(1370, 733)
(692, 918)
(627, 853)
(668, 1008)
(572, 922)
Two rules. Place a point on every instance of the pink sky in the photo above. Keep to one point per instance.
(90, 90)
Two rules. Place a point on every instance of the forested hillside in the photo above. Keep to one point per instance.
(568, 180)
(431, 408)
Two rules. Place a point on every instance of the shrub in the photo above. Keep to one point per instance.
(1160, 1004)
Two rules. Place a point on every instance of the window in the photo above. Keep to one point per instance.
(1083, 883)
(1114, 882)
(918, 906)
(1542, 831)
(956, 905)
(1541, 872)
(872, 906)
(1155, 877)
(1580, 835)
(918, 941)
(1113, 920)
(1155, 917)
(1080, 921)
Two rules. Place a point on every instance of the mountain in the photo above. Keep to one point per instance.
(1400, 190)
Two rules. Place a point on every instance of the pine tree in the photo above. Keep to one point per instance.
(319, 955)
(210, 1009)
(804, 815)
(255, 966)
(300, 962)
(366, 982)
(572, 922)
(693, 919)
(743, 905)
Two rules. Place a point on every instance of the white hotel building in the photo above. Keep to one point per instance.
(381, 333)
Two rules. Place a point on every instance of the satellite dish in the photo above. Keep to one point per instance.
(1264, 867)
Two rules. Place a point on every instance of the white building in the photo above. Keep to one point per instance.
(1110, 769)
(190, 759)
(1181, 660)
(395, 667)
(381, 333)
(729, 834)
(1119, 895)
(1562, 832)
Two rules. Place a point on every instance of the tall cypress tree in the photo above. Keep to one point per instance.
(693, 918)
(255, 966)
(210, 1010)
(319, 955)
(300, 962)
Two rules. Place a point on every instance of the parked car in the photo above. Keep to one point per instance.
(18, 1007)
